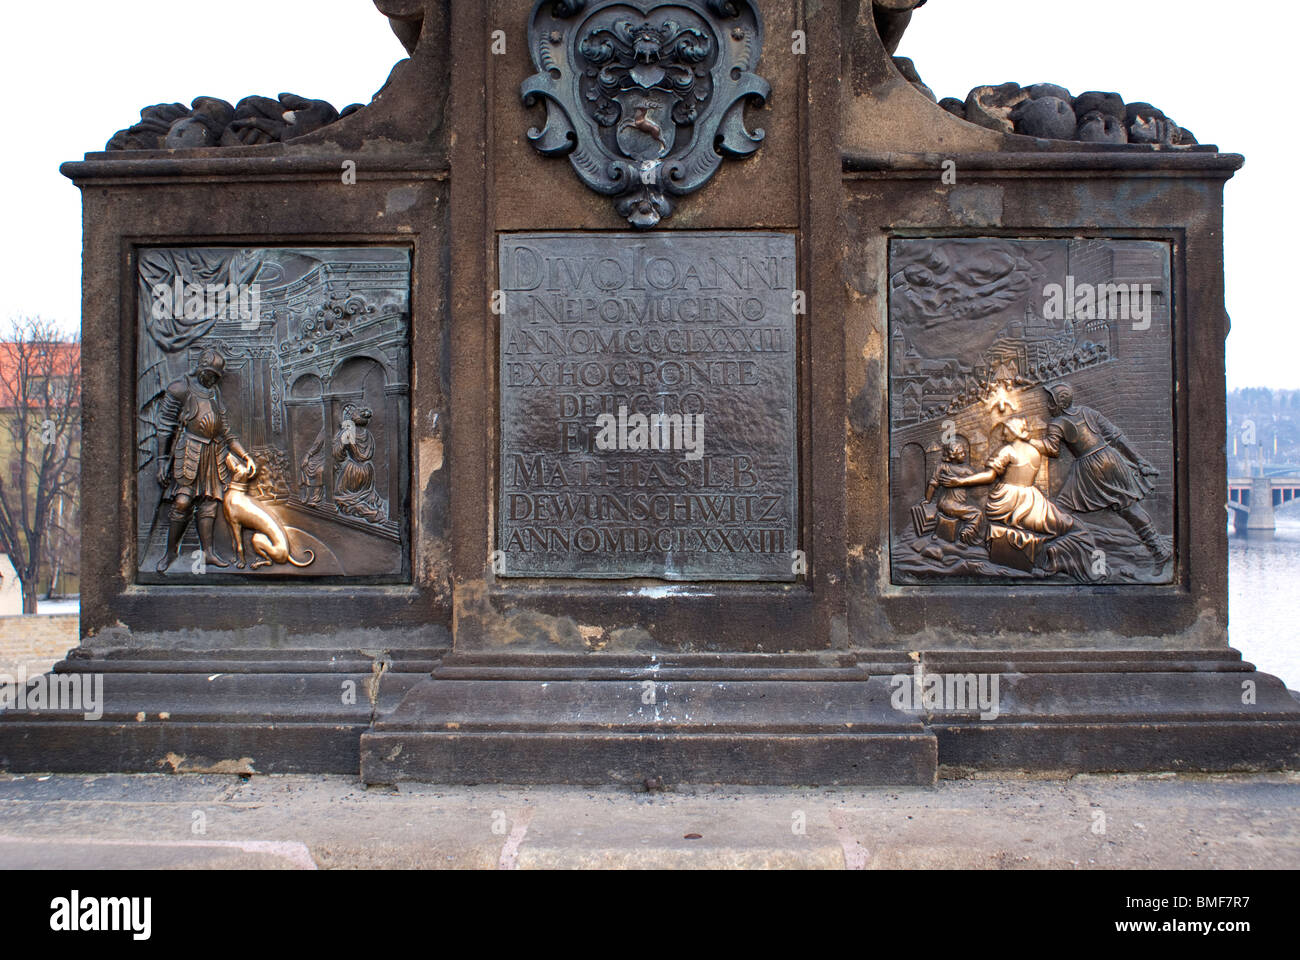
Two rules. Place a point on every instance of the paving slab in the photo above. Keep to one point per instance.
(1161, 821)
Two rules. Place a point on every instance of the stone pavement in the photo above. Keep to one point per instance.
(308, 822)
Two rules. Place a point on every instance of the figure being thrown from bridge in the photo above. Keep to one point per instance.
(1107, 474)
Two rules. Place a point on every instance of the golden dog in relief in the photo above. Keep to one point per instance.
(270, 540)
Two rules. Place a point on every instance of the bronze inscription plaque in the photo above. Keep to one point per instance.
(648, 415)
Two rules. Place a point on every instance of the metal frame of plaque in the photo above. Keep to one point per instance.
(649, 419)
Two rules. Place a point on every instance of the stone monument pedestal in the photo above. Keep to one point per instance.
(670, 399)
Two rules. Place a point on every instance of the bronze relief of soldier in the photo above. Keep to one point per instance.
(236, 414)
(1107, 474)
(193, 438)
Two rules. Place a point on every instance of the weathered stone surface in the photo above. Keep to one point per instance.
(908, 69)
(1048, 111)
(1039, 90)
(1145, 111)
(1168, 822)
(1049, 117)
(1110, 104)
(1098, 127)
(892, 18)
(991, 106)
(212, 122)
(954, 106)
(406, 18)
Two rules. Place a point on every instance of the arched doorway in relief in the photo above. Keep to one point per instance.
(908, 481)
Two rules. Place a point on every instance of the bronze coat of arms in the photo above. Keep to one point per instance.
(646, 99)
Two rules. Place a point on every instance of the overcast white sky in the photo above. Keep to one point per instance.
(78, 70)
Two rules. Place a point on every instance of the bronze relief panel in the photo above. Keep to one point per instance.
(1031, 411)
(272, 433)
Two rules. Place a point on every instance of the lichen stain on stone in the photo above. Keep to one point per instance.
(595, 638)
(536, 630)
(179, 763)
(401, 199)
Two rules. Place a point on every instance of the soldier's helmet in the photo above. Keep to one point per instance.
(212, 361)
(1062, 395)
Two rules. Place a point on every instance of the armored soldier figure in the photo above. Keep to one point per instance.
(1106, 474)
(193, 437)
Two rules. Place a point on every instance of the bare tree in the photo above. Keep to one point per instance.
(62, 544)
(40, 410)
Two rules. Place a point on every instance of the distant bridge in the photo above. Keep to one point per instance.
(1252, 500)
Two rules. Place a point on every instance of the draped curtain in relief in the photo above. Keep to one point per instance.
(173, 331)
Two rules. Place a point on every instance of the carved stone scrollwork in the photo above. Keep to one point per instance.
(645, 98)
(211, 122)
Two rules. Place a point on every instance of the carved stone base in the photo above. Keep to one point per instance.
(300, 711)
(522, 720)
(694, 719)
(589, 719)
(1082, 711)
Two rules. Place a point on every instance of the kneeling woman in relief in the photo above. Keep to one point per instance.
(1016, 504)
(354, 478)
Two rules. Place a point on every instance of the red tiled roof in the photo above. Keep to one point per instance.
(61, 360)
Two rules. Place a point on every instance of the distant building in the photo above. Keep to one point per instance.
(61, 579)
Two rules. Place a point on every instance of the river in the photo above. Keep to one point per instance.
(1263, 587)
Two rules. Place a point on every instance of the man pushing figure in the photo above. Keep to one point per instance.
(1107, 474)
